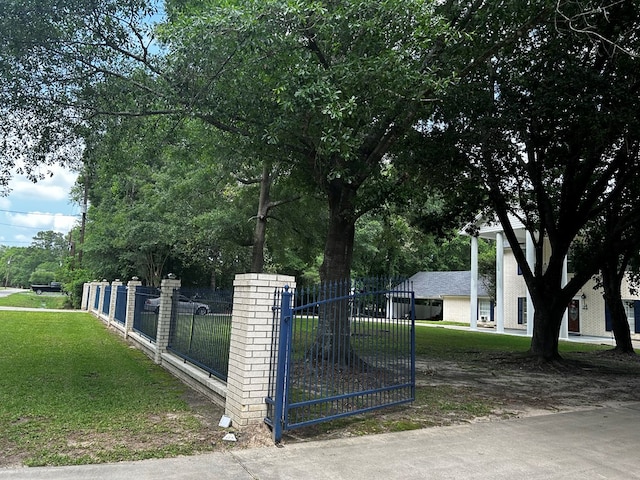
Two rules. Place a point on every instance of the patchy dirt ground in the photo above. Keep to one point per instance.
(492, 387)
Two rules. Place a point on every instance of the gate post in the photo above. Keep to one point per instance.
(250, 350)
(284, 349)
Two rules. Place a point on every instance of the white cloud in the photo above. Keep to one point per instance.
(44, 221)
(54, 188)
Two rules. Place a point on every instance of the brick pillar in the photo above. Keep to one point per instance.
(112, 301)
(132, 285)
(86, 292)
(250, 351)
(164, 316)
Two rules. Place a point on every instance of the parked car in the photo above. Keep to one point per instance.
(185, 305)
(49, 287)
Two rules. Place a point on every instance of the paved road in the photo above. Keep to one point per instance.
(5, 292)
(601, 443)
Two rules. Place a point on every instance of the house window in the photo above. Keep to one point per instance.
(630, 311)
(484, 310)
(522, 310)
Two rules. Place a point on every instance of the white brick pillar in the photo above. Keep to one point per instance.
(132, 286)
(164, 316)
(112, 301)
(86, 290)
(250, 350)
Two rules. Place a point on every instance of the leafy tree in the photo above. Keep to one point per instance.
(550, 127)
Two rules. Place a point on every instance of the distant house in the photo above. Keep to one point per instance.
(446, 296)
(586, 314)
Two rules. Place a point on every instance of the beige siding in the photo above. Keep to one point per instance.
(456, 309)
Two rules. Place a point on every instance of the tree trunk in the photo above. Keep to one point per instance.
(546, 333)
(259, 234)
(612, 276)
(333, 339)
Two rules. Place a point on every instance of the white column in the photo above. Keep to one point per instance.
(531, 261)
(473, 315)
(564, 328)
(499, 283)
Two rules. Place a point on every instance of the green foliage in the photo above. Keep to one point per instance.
(41, 277)
(38, 263)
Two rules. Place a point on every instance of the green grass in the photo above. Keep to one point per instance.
(449, 344)
(32, 300)
(70, 392)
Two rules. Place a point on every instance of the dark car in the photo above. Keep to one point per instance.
(185, 305)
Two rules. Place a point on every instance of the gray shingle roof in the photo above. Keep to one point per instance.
(437, 284)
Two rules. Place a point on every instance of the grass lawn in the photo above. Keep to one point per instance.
(32, 300)
(72, 393)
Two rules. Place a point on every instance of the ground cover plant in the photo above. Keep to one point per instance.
(33, 300)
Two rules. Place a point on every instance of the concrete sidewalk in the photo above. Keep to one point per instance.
(596, 443)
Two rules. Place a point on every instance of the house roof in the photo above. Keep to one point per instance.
(447, 284)
(487, 228)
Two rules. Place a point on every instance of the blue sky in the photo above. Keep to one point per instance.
(33, 207)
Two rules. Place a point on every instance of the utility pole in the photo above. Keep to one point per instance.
(84, 216)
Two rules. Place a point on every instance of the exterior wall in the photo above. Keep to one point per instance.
(514, 287)
(456, 309)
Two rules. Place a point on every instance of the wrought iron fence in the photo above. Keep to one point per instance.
(145, 314)
(120, 312)
(96, 299)
(106, 303)
(340, 349)
(200, 330)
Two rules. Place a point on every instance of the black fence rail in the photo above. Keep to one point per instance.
(340, 349)
(145, 313)
(200, 331)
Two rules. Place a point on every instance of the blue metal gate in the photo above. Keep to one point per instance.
(340, 349)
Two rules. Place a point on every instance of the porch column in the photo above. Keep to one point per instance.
(499, 282)
(564, 328)
(531, 261)
(473, 318)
